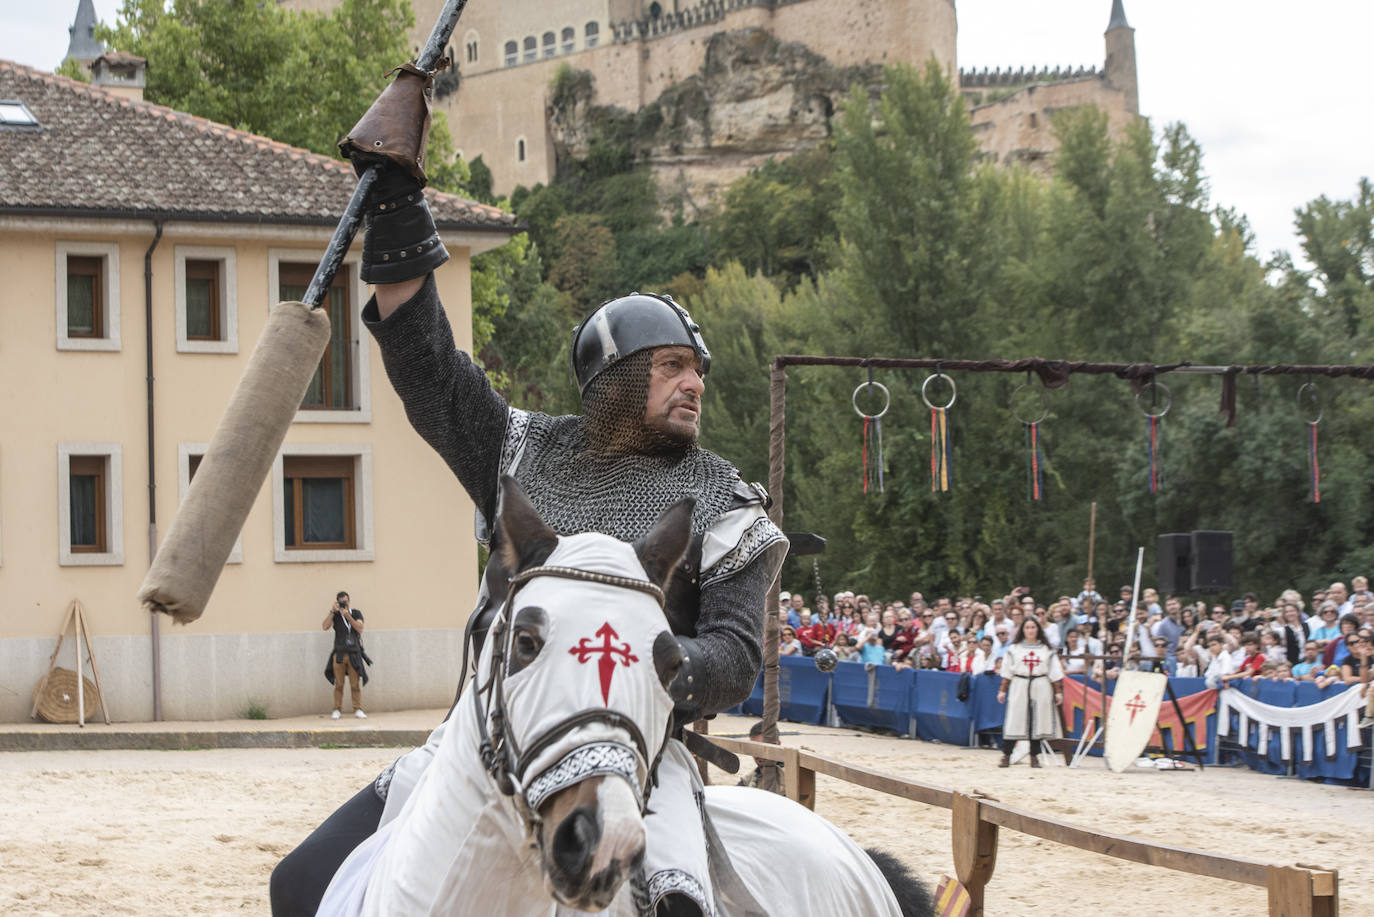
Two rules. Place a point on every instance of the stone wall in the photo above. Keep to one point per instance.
(1017, 130)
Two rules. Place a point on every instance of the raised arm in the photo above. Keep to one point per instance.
(447, 397)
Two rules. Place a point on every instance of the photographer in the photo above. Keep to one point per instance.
(347, 659)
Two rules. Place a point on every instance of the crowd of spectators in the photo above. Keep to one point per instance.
(1327, 638)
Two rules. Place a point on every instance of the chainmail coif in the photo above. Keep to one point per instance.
(609, 471)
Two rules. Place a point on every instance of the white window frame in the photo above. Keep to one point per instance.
(362, 506)
(113, 453)
(184, 453)
(108, 252)
(228, 298)
(362, 359)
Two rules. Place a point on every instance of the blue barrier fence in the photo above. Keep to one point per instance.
(926, 705)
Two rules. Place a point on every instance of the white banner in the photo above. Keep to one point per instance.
(1348, 704)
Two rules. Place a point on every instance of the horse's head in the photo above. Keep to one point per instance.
(572, 686)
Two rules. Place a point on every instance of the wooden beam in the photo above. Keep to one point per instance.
(1195, 862)
(876, 780)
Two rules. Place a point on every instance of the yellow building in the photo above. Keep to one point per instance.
(141, 250)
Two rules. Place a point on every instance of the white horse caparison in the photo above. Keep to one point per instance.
(534, 803)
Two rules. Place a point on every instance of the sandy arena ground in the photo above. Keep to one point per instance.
(198, 832)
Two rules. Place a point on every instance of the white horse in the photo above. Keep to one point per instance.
(535, 803)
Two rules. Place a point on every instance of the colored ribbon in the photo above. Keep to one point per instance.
(1152, 426)
(1313, 468)
(1035, 473)
(940, 453)
(864, 456)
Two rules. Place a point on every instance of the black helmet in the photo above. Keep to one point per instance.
(620, 327)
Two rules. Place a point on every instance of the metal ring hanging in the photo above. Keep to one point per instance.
(1155, 388)
(887, 399)
(1308, 391)
(1044, 403)
(953, 391)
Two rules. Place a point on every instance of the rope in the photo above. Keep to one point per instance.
(1152, 447)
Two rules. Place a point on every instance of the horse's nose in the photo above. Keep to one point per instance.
(575, 842)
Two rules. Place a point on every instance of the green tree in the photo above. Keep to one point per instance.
(302, 78)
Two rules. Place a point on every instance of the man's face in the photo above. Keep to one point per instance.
(797, 601)
(1336, 594)
(1310, 651)
(673, 404)
(1173, 607)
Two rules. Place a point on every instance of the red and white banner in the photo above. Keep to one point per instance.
(1196, 708)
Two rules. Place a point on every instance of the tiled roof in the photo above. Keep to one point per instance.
(96, 153)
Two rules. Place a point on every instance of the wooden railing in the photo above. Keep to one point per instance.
(1294, 891)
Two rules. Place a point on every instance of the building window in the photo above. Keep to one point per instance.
(323, 503)
(470, 46)
(531, 49)
(339, 391)
(591, 34)
(189, 456)
(550, 44)
(206, 300)
(520, 150)
(512, 54)
(87, 296)
(331, 388)
(85, 283)
(317, 502)
(569, 39)
(90, 504)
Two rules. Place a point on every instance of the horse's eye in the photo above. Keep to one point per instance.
(527, 646)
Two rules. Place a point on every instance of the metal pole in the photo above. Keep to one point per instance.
(777, 424)
(353, 214)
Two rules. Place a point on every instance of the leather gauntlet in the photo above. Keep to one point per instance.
(401, 242)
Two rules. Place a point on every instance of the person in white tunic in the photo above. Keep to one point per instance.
(1031, 676)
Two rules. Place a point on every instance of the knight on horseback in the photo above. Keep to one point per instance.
(640, 365)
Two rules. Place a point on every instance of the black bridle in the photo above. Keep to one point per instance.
(502, 756)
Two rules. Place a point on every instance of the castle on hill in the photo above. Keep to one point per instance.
(764, 77)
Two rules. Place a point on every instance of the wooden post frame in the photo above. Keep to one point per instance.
(975, 849)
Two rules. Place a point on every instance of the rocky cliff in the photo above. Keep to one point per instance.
(755, 98)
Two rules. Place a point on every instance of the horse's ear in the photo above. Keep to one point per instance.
(525, 539)
(662, 549)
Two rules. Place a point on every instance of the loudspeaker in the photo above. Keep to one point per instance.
(1211, 561)
(1174, 566)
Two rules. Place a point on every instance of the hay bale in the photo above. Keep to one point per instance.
(56, 698)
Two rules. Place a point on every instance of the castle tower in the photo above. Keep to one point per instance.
(1120, 69)
(83, 48)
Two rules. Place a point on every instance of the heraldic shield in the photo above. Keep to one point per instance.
(1132, 717)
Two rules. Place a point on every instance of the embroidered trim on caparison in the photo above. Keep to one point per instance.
(594, 760)
(674, 881)
(517, 425)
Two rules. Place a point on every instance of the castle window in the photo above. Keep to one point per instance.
(512, 54)
(569, 39)
(592, 33)
(531, 50)
(520, 150)
(550, 44)
(470, 46)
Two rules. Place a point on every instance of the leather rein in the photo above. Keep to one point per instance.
(501, 755)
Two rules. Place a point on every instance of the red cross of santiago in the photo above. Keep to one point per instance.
(1031, 661)
(1135, 705)
(606, 664)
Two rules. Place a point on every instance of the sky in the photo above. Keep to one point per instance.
(1277, 94)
